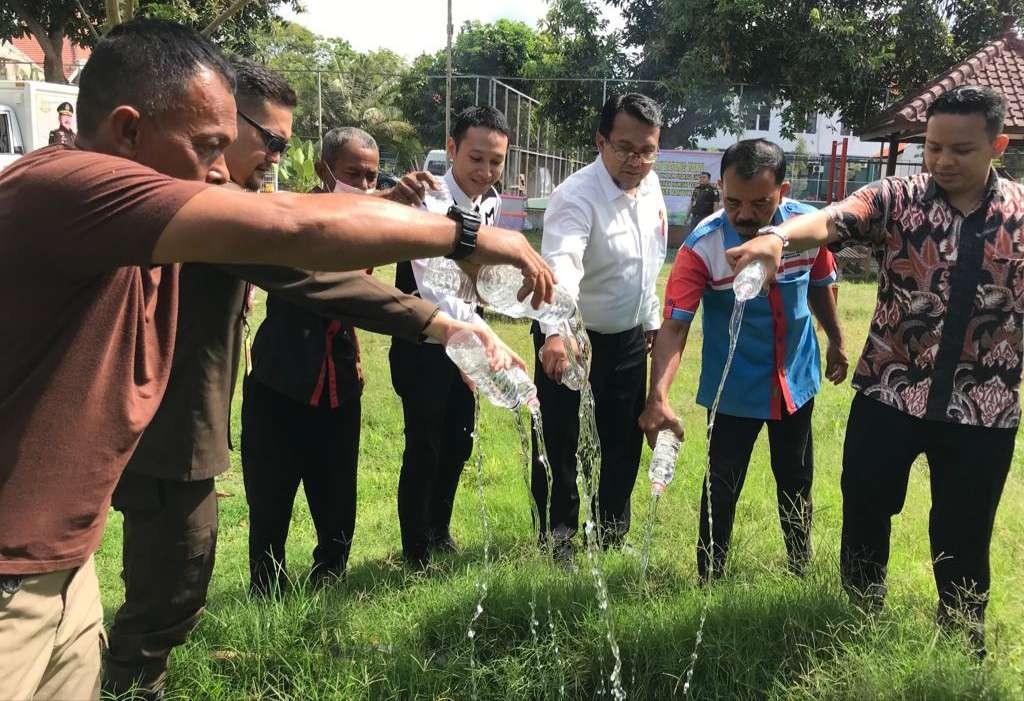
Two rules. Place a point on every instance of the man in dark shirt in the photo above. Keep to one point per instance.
(941, 368)
(301, 406)
(88, 312)
(703, 201)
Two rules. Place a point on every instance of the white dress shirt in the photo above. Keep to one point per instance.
(607, 247)
(488, 206)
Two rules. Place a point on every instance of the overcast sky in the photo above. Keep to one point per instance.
(408, 27)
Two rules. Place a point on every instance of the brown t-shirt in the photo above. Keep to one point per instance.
(86, 337)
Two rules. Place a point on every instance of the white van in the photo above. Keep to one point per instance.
(28, 112)
(436, 162)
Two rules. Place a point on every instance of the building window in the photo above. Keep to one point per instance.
(756, 111)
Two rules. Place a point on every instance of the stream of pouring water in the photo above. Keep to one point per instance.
(735, 321)
(588, 473)
(652, 515)
(481, 582)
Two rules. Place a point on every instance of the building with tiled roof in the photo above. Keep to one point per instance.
(999, 65)
(22, 59)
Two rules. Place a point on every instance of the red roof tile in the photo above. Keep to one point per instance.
(999, 65)
(72, 55)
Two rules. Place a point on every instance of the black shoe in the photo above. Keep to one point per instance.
(320, 577)
(564, 553)
(445, 545)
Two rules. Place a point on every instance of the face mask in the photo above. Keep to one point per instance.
(345, 187)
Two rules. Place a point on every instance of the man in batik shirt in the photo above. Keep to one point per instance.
(941, 369)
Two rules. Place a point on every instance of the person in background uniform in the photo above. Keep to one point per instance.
(437, 405)
(92, 290)
(703, 202)
(64, 134)
(167, 494)
(775, 371)
(941, 368)
(605, 232)
(301, 404)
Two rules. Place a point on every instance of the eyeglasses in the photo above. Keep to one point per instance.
(275, 143)
(623, 154)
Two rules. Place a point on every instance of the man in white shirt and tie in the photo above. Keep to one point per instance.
(437, 405)
(605, 233)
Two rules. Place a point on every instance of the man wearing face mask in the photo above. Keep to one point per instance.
(437, 405)
(775, 371)
(301, 405)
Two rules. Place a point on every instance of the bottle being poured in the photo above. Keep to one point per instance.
(662, 467)
(749, 282)
(444, 276)
(499, 285)
(509, 388)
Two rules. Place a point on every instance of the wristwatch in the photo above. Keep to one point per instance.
(468, 227)
(774, 231)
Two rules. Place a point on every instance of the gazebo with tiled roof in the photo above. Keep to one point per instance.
(999, 65)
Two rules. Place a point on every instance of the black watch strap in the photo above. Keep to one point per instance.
(468, 223)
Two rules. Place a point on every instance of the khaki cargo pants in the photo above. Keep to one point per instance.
(51, 634)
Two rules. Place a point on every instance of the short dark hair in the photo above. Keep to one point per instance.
(635, 105)
(973, 99)
(479, 116)
(145, 63)
(704, 172)
(751, 156)
(262, 84)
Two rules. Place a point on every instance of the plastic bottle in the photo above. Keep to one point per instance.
(749, 281)
(571, 378)
(445, 277)
(509, 388)
(663, 462)
(438, 200)
(499, 286)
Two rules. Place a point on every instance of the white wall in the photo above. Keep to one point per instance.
(827, 130)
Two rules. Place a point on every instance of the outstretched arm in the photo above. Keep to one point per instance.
(330, 232)
(668, 349)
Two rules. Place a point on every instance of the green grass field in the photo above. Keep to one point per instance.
(388, 632)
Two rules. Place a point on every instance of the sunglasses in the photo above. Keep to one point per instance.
(275, 143)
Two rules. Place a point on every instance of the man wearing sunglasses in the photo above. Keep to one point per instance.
(166, 495)
(605, 235)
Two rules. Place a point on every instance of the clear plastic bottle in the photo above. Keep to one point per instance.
(509, 388)
(445, 277)
(439, 200)
(572, 377)
(663, 461)
(749, 281)
(499, 287)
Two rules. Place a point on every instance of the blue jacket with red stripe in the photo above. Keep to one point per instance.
(777, 363)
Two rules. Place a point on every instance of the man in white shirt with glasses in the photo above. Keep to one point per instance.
(605, 233)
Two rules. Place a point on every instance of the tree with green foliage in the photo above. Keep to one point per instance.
(342, 87)
(504, 48)
(845, 56)
(576, 42)
(49, 22)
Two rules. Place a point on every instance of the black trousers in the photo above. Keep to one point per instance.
(439, 410)
(285, 442)
(792, 461)
(169, 539)
(967, 465)
(618, 376)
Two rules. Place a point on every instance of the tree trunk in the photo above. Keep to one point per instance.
(53, 56)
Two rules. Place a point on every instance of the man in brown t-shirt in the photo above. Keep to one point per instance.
(88, 305)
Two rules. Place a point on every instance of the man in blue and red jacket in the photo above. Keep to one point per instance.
(775, 372)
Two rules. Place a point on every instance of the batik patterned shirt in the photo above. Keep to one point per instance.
(945, 340)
